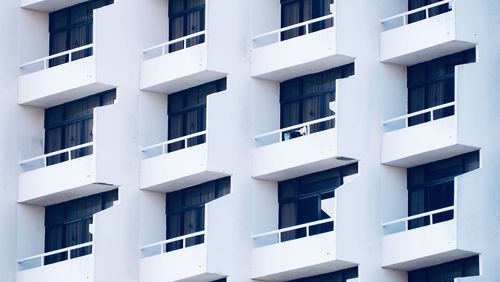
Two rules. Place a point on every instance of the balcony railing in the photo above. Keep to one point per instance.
(43, 158)
(405, 16)
(148, 250)
(163, 48)
(278, 32)
(147, 151)
(408, 219)
(276, 236)
(25, 263)
(389, 124)
(45, 62)
(403, 224)
(293, 131)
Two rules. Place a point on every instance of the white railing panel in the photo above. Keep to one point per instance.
(402, 224)
(402, 18)
(39, 260)
(41, 161)
(159, 248)
(291, 132)
(275, 237)
(44, 63)
(275, 35)
(162, 148)
(403, 121)
(163, 48)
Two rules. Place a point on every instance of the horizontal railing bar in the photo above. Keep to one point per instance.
(57, 252)
(173, 240)
(416, 10)
(417, 216)
(419, 112)
(57, 153)
(177, 40)
(81, 48)
(291, 228)
(295, 126)
(174, 140)
(294, 26)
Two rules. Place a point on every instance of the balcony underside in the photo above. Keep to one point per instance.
(431, 260)
(49, 5)
(430, 53)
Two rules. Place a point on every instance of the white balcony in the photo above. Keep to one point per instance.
(407, 43)
(276, 260)
(44, 185)
(288, 57)
(167, 72)
(201, 158)
(437, 138)
(436, 243)
(41, 85)
(203, 262)
(170, 171)
(48, 5)
(282, 156)
(79, 269)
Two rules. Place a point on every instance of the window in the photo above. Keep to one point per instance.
(187, 113)
(298, 11)
(71, 28)
(431, 187)
(415, 4)
(300, 200)
(67, 224)
(337, 276)
(70, 124)
(186, 17)
(446, 272)
(432, 83)
(308, 98)
(185, 210)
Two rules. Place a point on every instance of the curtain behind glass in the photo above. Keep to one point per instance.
(290, 15)
(67, 224)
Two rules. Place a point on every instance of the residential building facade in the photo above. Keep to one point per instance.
(263, 140)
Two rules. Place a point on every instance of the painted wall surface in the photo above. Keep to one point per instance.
(248, 108)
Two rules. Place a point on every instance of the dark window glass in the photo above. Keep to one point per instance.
(67, 224)
(415, 4)
(432, 84)
(431, 187)
(446, 272)
(187, 113)
(185, 210)
(300, 200)
(186, 17)
(337, 276)
(70, 124)
(297, 11)
(308, 98)
(71, 28)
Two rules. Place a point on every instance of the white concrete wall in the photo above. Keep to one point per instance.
(250, 106)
